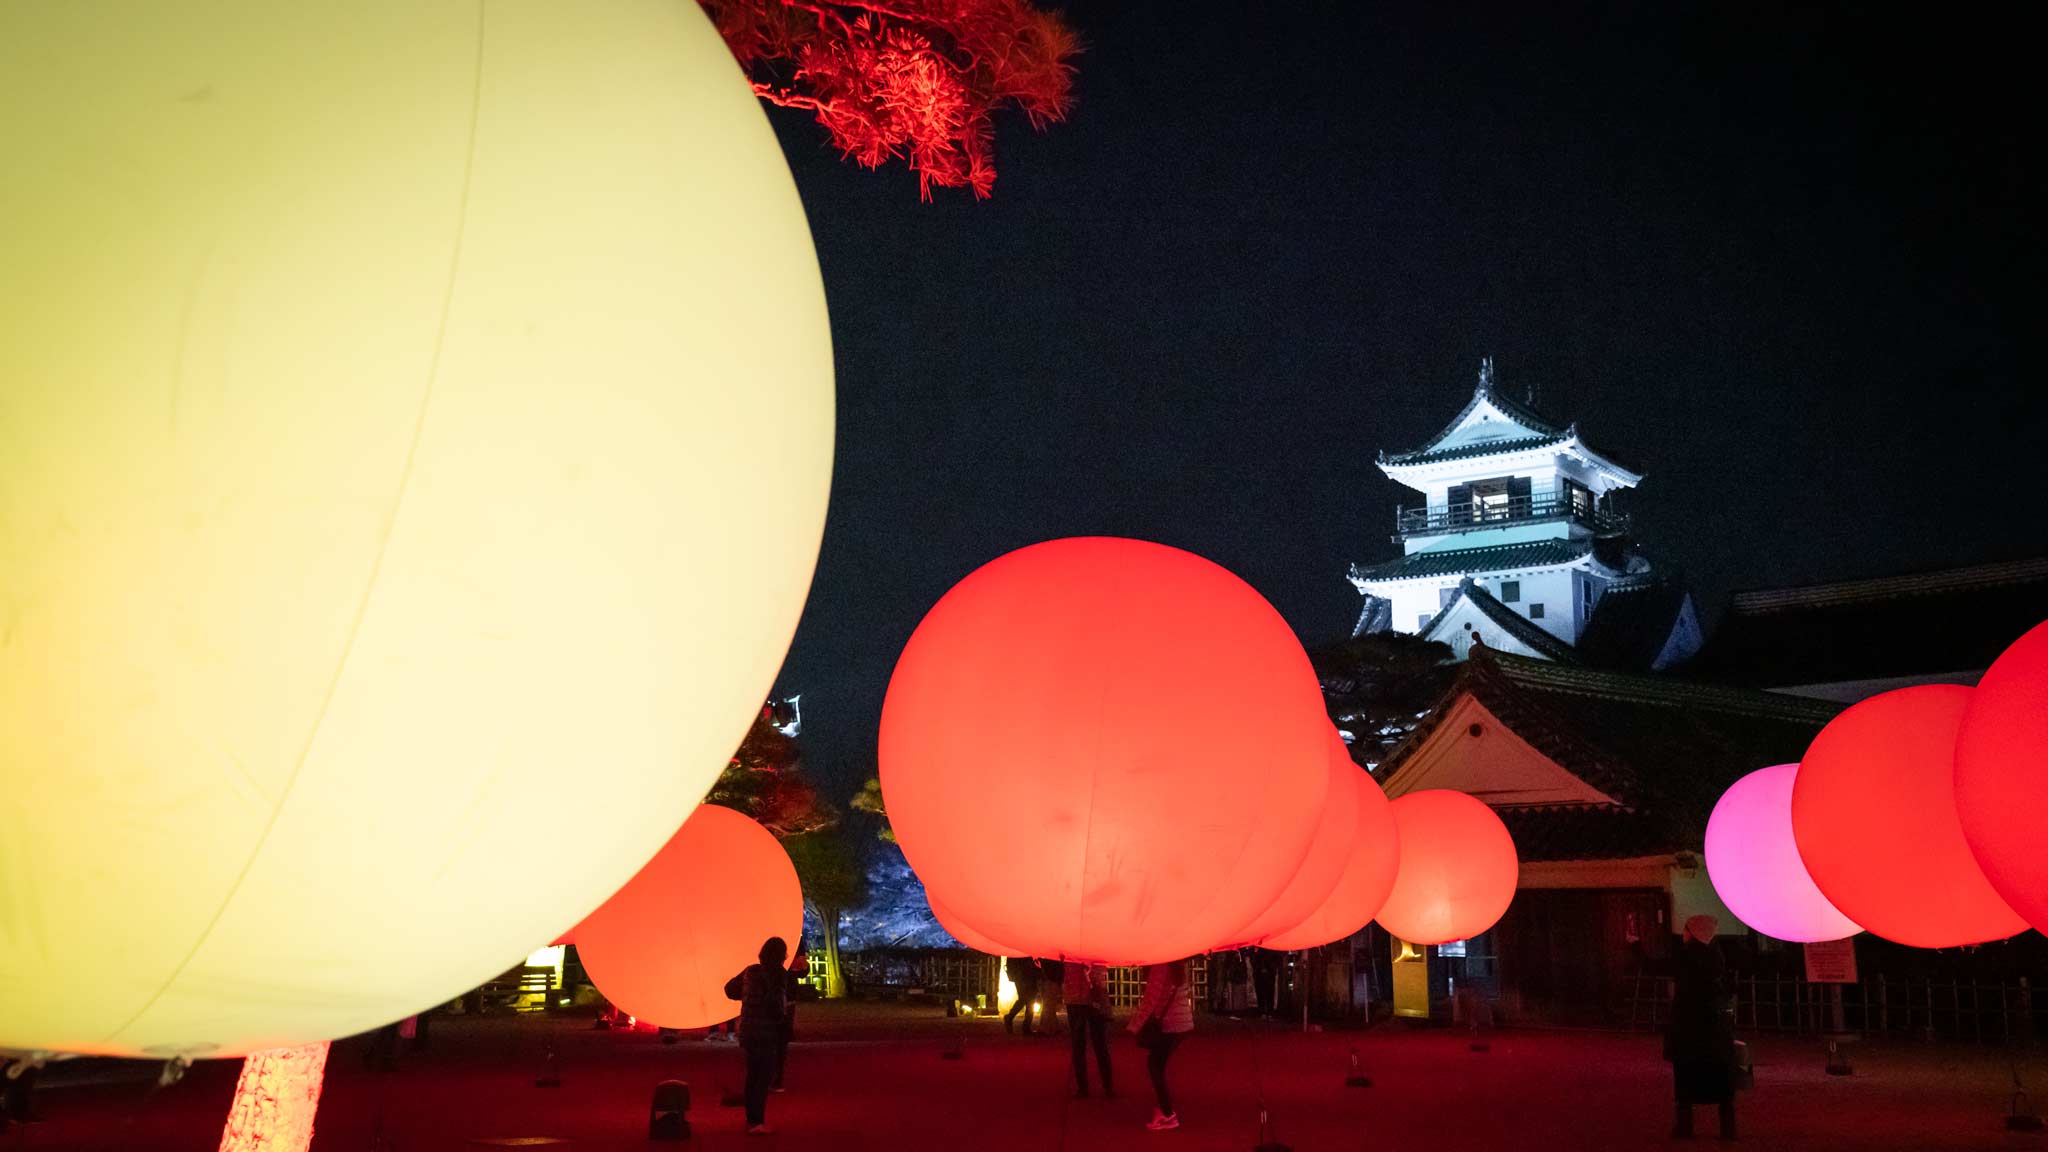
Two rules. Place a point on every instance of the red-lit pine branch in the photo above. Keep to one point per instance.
(919, 80)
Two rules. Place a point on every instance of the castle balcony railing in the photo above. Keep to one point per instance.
(1480, 514)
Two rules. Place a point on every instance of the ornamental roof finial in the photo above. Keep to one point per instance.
(1486, 373)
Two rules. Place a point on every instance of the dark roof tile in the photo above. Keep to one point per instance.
(1957, 620)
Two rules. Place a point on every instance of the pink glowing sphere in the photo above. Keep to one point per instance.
(1874, 815)
(1458, 869)
(1755, 866)
(2002, 775)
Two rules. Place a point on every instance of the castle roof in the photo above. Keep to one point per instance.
(1492, 424)
(1929, 623)
(1663, 749)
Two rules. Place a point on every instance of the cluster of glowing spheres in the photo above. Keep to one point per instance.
(1367, 876)
(1328, 853)
(1458, 868)
(383, 406)
(1874, 815)
(1154, 732)
(2001, 775)
(662, 948)
(1755, 867)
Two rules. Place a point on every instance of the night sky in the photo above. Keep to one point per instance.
(1783, 264)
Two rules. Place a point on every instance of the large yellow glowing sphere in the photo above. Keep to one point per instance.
(415, 428)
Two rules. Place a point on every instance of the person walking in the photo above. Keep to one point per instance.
(1024, 974)
(1085, 988)
(1699, 1041)
(763, 992)
(1165, 1015)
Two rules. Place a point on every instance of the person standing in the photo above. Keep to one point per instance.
(1024, 974)
(1165, 1015)
(1085, 988)
(763, 992)
(1699, 1041)
(797, 970)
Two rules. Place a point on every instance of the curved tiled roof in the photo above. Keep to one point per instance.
(1664, 748)
(1451, 561)
(1481, 448)
(1531, 634)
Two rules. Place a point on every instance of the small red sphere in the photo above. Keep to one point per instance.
(1369, 872)
(1327, 855)
(663, 946)
(1458, 869)
(1874, 816)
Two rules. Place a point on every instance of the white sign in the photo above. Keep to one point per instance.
(1831, 962)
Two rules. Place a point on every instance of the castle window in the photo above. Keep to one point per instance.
(1422, 621)
(1535, 611)
(1490, 500)
(1510, 591)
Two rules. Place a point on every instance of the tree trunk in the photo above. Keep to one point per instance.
(275, 1099)
(829, 921)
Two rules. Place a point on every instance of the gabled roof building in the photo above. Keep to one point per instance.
(1517, 543)
(1605, 780)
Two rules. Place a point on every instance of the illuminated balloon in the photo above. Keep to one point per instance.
(1368, 875)
(1328, 853)
(1874, 816)
(1755, 866)
(1151, 729)
(967, 937)
(662, 948)
(1458, 869)
(402, 421)
(2002, 775)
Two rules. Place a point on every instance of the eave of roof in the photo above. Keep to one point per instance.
(1493, 558)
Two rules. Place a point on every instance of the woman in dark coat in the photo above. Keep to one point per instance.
(763, 993)
(1700, 1039)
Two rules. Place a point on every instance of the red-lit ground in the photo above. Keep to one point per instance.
(875, 1077)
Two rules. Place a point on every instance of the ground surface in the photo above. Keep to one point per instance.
(876, 1077)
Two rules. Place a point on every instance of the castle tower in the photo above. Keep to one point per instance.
(1519, 543)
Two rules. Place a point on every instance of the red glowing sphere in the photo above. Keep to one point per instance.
(1755, 865)
(960, 931)
(1874, 815)
(1327, 855)
(1367, 878)
(662, 948)
(1458, 869)
(1149, 730)
(2002, 775)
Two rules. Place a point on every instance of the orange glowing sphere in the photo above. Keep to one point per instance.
(1458, 869)
(1367, 878)
(662, 948)
(1150, 729)
(959, 930)
(1327, 855)
(2002, 775)
(1874, 816)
